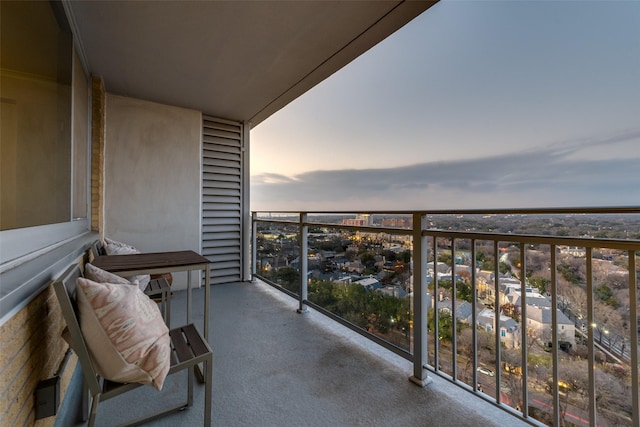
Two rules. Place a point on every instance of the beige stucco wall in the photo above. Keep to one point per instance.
(152, 177)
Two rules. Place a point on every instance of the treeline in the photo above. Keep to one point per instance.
(383, 315)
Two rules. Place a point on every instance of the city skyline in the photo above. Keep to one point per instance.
(471, 105)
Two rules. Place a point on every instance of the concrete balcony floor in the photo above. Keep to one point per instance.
(275, 367)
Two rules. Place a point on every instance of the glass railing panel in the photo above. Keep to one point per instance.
(364, 278)
(278, 254)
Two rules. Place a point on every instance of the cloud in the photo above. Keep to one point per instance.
(549, 177)
(272, 178)
(617, 145)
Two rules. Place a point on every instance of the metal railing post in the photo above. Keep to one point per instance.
(496, 324)
(454, 317)
(474, 316)
(633, 353)
(591, 346)
(525, 331)
(554, 335)
(254, 244)
(303, 232)
(419, 376)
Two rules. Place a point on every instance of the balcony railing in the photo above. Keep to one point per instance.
(533, 310)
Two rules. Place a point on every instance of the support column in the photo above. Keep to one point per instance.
(419, 376)
(304, 256)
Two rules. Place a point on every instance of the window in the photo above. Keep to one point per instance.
(44, 150)
(36, 108)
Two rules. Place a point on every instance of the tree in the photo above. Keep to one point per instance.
(504, 268)
(368, 259)
(511, 310)
(464, 291)
(466, 350)
(572, 269)
(543, 284)
(445, 256)
(605, 294)
(572, 298)
(405, 256)
(288, 278)
(607, 321)
(610, 398)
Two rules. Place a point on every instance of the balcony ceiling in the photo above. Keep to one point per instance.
(236, 60)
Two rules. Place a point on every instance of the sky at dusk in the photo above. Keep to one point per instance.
(473, 104)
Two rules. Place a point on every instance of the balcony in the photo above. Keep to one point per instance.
(576, 364)
(276, 367)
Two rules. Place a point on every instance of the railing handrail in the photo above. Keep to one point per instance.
(587, 242)
(499, 211)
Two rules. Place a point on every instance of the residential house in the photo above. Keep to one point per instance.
(369, 283)
(464, 310)
(539, 322)
(393, 291)
(509, 328)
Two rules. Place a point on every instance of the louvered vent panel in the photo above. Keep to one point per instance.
(222, 159)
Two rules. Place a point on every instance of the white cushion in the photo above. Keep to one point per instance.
(99, 275)
(112, 247)
(124, 331)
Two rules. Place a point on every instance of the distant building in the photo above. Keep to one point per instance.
(509, 328)
(369, 283)
(361, 220)
(532, 301)
(440, 267)
(539, 322)
(395, 222)
(355, 267)
(463, 267)
(328, 254)
(447, 276)
(574, 251)
(394, 291)
(464, 309)
(510, 292)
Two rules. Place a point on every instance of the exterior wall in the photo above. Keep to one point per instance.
(152, 177)
(32, 351)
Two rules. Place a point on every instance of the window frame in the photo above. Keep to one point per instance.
(31, 257)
